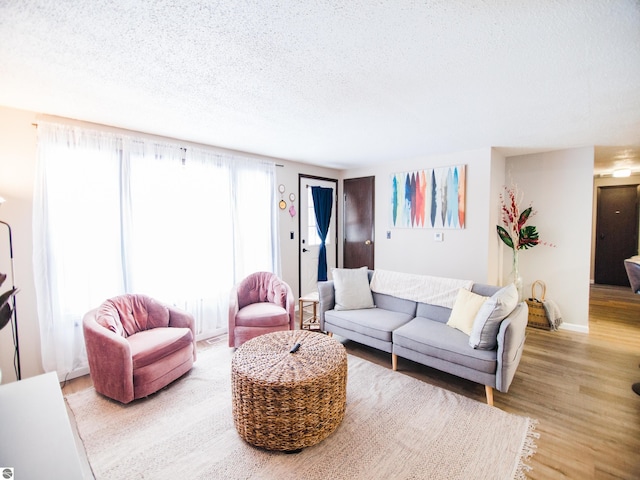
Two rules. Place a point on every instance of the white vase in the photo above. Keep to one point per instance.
(515, 277)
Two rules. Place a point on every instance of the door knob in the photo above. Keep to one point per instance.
(368, 242)
(305, 250)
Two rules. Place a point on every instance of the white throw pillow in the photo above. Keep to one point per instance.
(352, 288)
(487, 322)
(465, 310)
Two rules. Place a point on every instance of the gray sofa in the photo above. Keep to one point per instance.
(419, 332)
(632, 266)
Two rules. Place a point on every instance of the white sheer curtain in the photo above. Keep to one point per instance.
(254, 210)
(116, 214)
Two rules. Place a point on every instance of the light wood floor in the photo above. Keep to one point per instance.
(577, 386)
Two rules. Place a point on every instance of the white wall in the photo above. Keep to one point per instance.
(289, 251)
(464, 253)
(495, 248)
(17, 166)
(560, 186)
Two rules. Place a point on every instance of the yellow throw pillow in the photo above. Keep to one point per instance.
(465, 310)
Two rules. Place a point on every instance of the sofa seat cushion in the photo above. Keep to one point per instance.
(373, 322)
(438, 340)
(262, 314)
(149, 346)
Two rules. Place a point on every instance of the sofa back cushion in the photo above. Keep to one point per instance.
(442, 314)
(262, 287)
(433, 312)
(129, 314)
(395, 304)
(484, 290)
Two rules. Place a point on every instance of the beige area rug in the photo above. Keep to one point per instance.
(395, 427)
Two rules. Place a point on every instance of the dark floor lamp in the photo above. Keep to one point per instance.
(14, 313)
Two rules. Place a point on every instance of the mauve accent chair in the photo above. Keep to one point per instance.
(261, 303)
(137, 345)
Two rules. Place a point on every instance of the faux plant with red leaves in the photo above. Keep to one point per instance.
(514, 232)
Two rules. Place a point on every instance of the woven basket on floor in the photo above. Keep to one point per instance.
(537, 314)
(283, 400)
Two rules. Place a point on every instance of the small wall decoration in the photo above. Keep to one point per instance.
(430, 198)
(282, 204)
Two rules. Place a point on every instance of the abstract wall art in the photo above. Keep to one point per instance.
(430, 198)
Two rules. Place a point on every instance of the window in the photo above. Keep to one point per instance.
(312, 228)
(115, 214)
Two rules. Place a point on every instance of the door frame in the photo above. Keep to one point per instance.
(324, 179)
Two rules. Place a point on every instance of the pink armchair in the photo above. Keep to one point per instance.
(261, 303)
(137, 345)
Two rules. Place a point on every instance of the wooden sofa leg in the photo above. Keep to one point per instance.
(489, 392)
(330, 334)
(394, 362)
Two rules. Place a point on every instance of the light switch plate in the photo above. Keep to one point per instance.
(438, 236)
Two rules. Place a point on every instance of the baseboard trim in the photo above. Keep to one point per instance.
(572, 327)
(80, 372)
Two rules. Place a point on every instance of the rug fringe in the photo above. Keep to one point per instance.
(76, 433)
(528, 449)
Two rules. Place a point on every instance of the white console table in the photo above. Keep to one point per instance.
(36, 439)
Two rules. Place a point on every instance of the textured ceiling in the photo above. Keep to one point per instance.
(336, 83)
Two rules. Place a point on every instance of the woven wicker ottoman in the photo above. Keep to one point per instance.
(286, 397)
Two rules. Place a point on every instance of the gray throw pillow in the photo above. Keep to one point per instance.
(352, 288)
(487, 322)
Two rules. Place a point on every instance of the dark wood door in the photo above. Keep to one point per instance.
(359, 241)
(616, 233)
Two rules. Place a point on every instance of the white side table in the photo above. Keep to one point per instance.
(37, 440)
(308, 311)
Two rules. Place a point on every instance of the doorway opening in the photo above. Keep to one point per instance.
(616, 239)
(309, 239)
